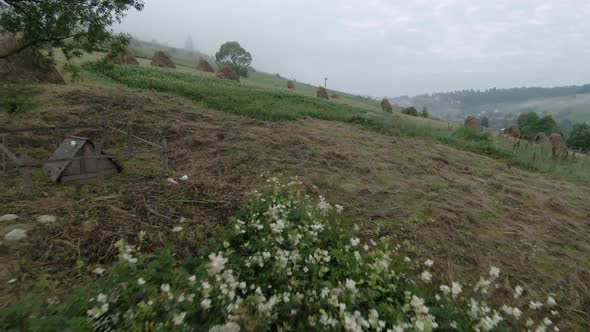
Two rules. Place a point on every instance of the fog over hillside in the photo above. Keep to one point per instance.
(388, 47)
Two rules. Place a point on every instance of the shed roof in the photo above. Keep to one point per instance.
(68, 149)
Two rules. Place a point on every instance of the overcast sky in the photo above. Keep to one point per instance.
(388, 48)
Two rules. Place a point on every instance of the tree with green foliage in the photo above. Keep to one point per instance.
(232, 54)
(531, 124)
(580, 137)
(424, 112)
(485, 122)
(73, 26)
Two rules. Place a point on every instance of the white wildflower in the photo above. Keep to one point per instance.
(102, 298)
(494, 272)
(518, 291)
(227, 327)
(96, 312)
(165, 288)
(178, 319)
(16, 234)
(351, 285)
(547, 321)
(192, 279)
(177, 229)
(216, 264)
(354, 241)
(206, 304)
(445, 289)
(456, 289)
(407, 259)
(99, 270)
(535, 305)
(339, 208)
(366, 247)
(551, 301)
(429, 262)
(426, 276)
(141, 281)
(357, 256)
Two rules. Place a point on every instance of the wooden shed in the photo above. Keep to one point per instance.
(81, 170)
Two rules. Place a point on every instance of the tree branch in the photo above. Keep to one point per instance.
(35, 42)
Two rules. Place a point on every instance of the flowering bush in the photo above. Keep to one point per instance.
(289, 262)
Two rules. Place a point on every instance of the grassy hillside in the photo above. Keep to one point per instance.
(465, 211)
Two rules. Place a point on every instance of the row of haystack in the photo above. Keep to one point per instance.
(556, 140)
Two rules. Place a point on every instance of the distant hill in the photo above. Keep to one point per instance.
(567, 103)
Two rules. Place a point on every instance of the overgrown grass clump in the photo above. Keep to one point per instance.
(287, 262)
(228, 96)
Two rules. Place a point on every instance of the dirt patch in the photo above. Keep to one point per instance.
(162, 59)
(226, 73)
(535, 228)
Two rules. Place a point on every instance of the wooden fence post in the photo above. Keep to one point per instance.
(27, 174)
(56, 136)
(99, 172)
(165, 154)
(129, 139)
(3, 156)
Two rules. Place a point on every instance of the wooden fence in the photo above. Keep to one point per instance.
(25, 164)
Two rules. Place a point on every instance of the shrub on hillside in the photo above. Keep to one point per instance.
(580, 137)
(287, 263)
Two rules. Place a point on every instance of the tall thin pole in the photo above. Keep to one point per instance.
(326, 83)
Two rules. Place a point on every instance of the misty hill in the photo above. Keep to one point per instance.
(571, 103)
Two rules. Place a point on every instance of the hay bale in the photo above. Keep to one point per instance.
(205, 66)
(27, 65)
(290, 85)
(386, 105)
(123, 57)
(412, 111)
(322, 93)
(473, 123)
(540, 138)
(513, 131)
(162, 59)
(226, 73)
(559, 147)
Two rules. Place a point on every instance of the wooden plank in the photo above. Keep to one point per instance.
(21, 130)
(3, 155)
(135, 137)
(27, 175)
(10, 155)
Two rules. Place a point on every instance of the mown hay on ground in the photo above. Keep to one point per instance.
(410, 111)
(322, 93)
(225, 72)
(473, 123)
(205, 66)
(386, 105)
(27, 65)
(290, 85)
(162, 59)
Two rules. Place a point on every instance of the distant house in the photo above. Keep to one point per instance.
(78, 170)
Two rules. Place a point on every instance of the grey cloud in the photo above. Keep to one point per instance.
(387, 48)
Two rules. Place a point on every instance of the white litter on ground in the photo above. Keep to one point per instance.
(171, 180)
(46, 219)
(16, 235)
(9, 217)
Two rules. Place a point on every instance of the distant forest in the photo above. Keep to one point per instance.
(502, 106)
(473, 98)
